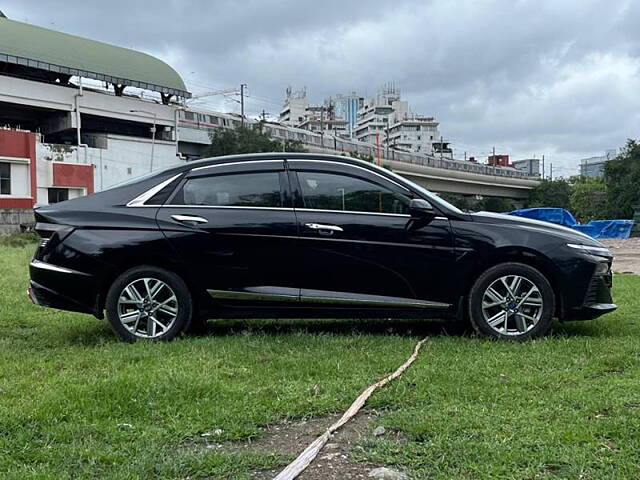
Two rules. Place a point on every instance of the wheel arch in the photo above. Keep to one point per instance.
(130, 262)
(525, 256)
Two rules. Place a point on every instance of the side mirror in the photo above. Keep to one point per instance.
(421, 213)
(420, 209)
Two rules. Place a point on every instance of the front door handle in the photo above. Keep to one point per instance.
(324, 229)
(189, 219)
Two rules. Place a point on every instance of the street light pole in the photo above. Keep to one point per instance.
(153, 133)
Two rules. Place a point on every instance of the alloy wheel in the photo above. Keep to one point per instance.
(512, 305)
(147, 307)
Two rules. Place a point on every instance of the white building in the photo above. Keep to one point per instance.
(77, 115)
(531, 166)
(594, 166)
(388, 120)
(295, 107)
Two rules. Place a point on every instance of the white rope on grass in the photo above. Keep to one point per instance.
(296, 467)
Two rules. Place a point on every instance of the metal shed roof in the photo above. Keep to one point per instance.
(37, 47)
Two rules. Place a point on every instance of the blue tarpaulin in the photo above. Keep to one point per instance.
(595, 228)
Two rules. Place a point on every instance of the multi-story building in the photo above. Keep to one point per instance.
(388, 120)
(594, 166)
(294, 111)
(498, 161)
(531, 166)
(335, 117)
(77, 115)
(346, 108)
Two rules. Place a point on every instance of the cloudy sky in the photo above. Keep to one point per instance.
(553, 77)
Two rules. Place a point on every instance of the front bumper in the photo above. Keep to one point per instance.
(597, 300)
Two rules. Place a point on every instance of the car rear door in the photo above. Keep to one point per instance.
(357, 247)
(232, 225)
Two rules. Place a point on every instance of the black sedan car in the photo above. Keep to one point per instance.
(306, 235)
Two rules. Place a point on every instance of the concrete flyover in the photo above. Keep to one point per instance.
(456, 176)
(464, 183)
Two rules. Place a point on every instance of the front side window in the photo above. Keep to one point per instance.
(5, 178)
(234, 190)
(329, 191)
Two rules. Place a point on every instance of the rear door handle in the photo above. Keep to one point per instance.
(189, 219)
(324, 229)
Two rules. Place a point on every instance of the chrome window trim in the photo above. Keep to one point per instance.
(353, 212)
(227, 207)
(349, 165)
(289, 209)
(140, 199)
(239, 161)
(53, 268)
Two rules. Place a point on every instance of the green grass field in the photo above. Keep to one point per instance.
(77, 403)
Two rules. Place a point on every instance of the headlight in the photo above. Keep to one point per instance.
(602, 268)
(599, 251)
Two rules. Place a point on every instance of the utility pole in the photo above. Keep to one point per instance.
(543, 172)
(387, 132)
(551, 171)
(242, 87)
(465, 156)
(441, 148)
(264, 115)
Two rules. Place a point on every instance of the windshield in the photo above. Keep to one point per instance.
(430, 195)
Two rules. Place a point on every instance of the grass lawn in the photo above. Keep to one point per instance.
(77, 403)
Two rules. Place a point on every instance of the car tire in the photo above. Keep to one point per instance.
(511, 301)
(149, 303)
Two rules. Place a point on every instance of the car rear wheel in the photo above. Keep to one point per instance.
(148, 303)
(511, 301)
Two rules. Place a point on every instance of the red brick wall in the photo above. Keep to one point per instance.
(73, 175)
(20, 145)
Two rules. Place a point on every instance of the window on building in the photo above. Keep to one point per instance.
(57, 195)
(234, 190)
(188, 115)
(5, 178)
(328, 191)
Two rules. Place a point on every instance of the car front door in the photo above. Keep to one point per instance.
(358, 245)
(231, 225)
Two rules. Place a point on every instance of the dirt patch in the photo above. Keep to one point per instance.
(626, 254)
(334, 461)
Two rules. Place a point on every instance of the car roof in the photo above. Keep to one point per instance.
(270, 156)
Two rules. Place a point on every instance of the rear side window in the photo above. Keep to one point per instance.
(329, 191)
(261, 189)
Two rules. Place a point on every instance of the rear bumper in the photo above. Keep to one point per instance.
(62, 288)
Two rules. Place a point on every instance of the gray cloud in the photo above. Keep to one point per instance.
(528, 77)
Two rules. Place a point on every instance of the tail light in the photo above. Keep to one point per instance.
(52, 232)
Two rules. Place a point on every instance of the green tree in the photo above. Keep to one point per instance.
(463, 202)
(495, 204)
(247, 140)
(588, 198)
(551, 193)
(622, 179)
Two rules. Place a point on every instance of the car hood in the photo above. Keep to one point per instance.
(567, 233)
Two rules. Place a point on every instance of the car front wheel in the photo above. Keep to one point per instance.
(148, 303)
(511, 301)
